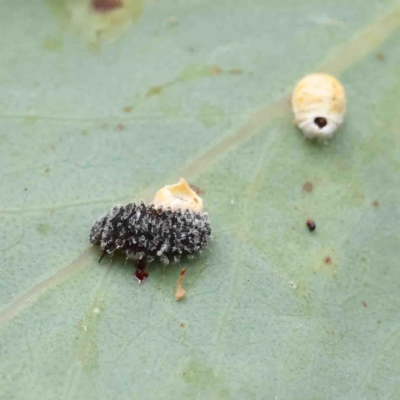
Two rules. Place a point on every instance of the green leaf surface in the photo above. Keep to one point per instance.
(100, 107)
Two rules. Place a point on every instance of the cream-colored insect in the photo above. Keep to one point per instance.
(319, 105)
(178, 196)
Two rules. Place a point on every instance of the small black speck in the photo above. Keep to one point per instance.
(25, 188)
(311, 225)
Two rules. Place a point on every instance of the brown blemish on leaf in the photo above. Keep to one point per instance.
(365, 304)
(328, 260)
(128, 109)
(308, 187)
(216, 70)
(375, 203)
(104, 6)
(380, 57)
(53, 147)
(191, 49)
(47, 170)
(155, 90)
(182, 325)
(120, 127)
(85, 132)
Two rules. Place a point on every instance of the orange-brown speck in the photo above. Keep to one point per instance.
(327, 260)
(308, 187)
(365, 304)
(216, 70)
(127, 109)
(380, 57)
(375, 203)
(120, 127)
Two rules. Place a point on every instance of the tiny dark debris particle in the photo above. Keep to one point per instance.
(308, 187)
(145, 234)
(311, 224)
(327, 260)
(104, 6)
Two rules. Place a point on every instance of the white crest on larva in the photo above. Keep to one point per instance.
(319, 105)
(178, 196)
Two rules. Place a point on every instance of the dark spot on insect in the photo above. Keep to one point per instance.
(121, 127)
(182, 325)
(327, 260)
(311, 225)
(308, 187)
(320, 122)
(375, 203)
(104, 6)
(365, 304)
(127, 109)
(380, 57)
(196, 189)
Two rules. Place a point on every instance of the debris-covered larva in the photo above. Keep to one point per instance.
(172, 226)
(319, 105)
